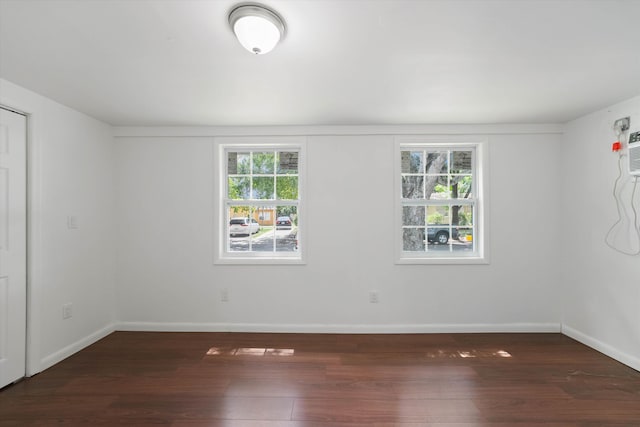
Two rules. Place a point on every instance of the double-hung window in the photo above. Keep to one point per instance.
(260, 205)
(440, 202)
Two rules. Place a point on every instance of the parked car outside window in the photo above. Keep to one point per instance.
(283, 223)
(243, 226)
(440, 235)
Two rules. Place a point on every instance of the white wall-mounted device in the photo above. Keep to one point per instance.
(634, 153)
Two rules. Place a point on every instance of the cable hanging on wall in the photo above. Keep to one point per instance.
(620, 127)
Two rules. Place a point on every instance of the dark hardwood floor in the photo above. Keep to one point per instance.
(286, 380)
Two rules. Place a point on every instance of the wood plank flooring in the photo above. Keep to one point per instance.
(323, 380)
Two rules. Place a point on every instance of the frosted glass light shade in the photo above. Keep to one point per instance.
(257, 28)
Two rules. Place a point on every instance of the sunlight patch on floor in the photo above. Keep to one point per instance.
(250, 351)
(468, 354)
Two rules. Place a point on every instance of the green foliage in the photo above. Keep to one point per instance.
(240, 211)
(262, 187)
(239, 188)
(464, 185)
(263, 163)
(439, 188)
(243, 165)
(435, 218)
(246, 185)
(287, 187)
(255, 177)
(465, 218)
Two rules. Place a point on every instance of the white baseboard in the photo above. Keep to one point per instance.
(58, 356)
(339, 329)
(614, 353)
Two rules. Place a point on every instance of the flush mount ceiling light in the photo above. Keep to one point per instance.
(257, 28)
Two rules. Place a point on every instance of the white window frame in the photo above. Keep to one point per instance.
(221, 231)
(481, 205)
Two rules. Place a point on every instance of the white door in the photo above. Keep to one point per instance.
(13, 246)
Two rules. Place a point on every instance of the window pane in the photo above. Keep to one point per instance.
(461, 187)
(242, 226)
(244, 163)
(462, 215)
(287, 213)
(239, 212)
(237, 163)
(287, 162)
(413, 215)
(461, 161)
(413, 239)
(265, 215)
(444, 237)
(438, 188)
(232, 163)
(438, 215)
(263, 229)
(263, 241)
(286, 232)
(439, 235)
(238, 188)
(439, 247)
(412, 187)
(262, 187)
(238, 243)
(263, 163)
(437, 162)
(465, 239)
(412, 162)
(438, 228)
(287, 187)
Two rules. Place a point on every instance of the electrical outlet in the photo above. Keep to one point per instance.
(67, 311)
(373, 297)
(224, 295)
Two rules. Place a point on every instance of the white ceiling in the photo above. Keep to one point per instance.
(176, 62)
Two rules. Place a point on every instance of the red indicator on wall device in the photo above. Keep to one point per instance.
(616, 146)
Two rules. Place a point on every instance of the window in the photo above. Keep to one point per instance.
(439, 202)
(260, 209)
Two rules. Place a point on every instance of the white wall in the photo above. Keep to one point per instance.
(602, 287)
(70, 173)
(550, 209)
(167, 280)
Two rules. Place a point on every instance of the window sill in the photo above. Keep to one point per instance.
(259, 261)
(472, 260)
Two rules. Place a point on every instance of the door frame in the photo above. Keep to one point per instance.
(32, 365)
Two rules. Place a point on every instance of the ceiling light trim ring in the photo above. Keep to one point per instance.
(260, 11)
